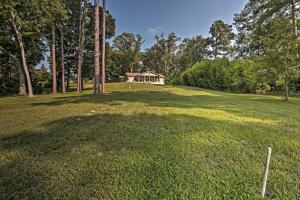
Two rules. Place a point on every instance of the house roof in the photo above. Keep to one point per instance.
(133, 74)
(144, 74)
(160, 75)
(149, 74)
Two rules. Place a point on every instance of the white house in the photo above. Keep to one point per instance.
(146, 77)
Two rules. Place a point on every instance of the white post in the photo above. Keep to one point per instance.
(264, 185)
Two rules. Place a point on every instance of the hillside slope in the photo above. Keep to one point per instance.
(148, 142)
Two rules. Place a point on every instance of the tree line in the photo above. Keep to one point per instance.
(261, 56)
(64, 32)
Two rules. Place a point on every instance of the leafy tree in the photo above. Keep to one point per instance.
(281, 51)
(152, 59)
(12, 78)
(168, 48)
(28, 21)
(248, 40)
(251, 22)
(269, 29)
(71, 38)
(221, 38)
(192, 50)
(25, 19)
(126, 53)
(36, 22)
(222, 74)
(82, 17)
(162, 55)
(41, 79)
(57, 13)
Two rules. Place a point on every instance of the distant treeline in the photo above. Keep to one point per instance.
(245, 76)
(264, 53)
(262, 56)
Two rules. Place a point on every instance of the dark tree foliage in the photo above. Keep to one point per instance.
(268, 31)
(35, 19)
(221, 38)
(192, 50)
(221, 74)
(161, 57)
(263, 56)
(126, 54)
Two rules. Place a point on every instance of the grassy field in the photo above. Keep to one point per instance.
(148, 142)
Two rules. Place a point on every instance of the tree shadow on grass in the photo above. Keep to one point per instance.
(86, 157)
(162, 99)
(240, 105)
(141, 156)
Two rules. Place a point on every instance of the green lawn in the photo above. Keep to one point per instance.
(148, 142)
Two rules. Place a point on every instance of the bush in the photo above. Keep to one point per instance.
(222, 74)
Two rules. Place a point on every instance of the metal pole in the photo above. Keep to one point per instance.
(264, 185)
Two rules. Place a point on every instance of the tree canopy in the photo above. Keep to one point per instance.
(266, 35)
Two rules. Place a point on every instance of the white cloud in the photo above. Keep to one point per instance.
(155, 31)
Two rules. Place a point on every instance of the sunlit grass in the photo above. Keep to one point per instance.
(148, 142)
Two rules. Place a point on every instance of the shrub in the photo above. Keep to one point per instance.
(222, 74)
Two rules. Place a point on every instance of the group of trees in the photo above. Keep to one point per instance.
(268, 33)
(223, 74)
(266, 37)
(161, 56)
(126, 54)
(262, 56)
(64, 32)
(170, 55)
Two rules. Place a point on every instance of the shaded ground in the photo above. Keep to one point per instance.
(148, 142)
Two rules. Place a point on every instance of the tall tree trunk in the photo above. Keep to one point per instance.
(286, 86)
(166, 71)
(81, 43)
(63, 89)
(68, 79)
(295, 23)
(19, 40)
(54, 74)
(103, 45)
(79, 63)
(97, 54)
(295, 31)
(294, 16)
(22, 83)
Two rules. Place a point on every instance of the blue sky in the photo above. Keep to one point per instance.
(186, 18)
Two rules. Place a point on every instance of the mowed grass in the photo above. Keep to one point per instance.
(148, 142)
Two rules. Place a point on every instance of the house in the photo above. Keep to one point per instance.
(146, 77)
